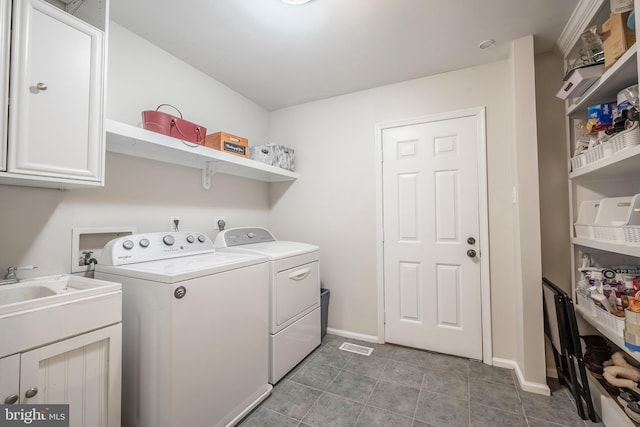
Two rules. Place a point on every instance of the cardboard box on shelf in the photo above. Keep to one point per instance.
(617, 37)
(579, 80)
(228, 143)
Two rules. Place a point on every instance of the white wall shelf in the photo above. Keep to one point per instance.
(609, 247)
(134, 141)
(611, 413)
(608, 177)
(611, 334)
(622, 162)
(623, 73)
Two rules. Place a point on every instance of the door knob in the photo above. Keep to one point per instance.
(31, 392)
(11, 399)
(41, 86)
(471, 241)
(471, 253)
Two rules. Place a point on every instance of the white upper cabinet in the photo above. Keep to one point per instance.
(56, 111)
(5, 32)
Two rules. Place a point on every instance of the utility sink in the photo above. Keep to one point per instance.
(24, 293)
(37, 311)
(44, 291)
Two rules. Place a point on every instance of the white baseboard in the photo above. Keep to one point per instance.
(353, 335)
(532, 387)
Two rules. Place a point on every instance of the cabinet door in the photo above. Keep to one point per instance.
(5, 32)
(56, 110)
(9, 379)
(84, 371)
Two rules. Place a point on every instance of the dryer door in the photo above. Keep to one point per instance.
(297, 292)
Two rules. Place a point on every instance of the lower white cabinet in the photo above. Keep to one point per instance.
(83, 371)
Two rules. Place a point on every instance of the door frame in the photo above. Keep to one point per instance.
(483, 217)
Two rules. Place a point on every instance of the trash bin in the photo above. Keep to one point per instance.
(324, 311)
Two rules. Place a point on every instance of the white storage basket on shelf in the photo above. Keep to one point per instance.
(578, 161)
(613, 214)
(632, 228)
(614, 322)
(626, 139)
(587, 305)
(586, 218)
(594, 154)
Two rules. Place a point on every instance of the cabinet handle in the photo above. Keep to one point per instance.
(11, 399)
(41, 86)
(31, 392)
(300, 274)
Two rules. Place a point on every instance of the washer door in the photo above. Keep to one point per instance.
(297, 292)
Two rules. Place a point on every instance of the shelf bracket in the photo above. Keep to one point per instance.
(210, 169)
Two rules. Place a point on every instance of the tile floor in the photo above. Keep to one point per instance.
(399, 386)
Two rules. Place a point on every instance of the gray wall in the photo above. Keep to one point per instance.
(553, 161)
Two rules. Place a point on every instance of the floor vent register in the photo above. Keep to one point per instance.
(355, 348)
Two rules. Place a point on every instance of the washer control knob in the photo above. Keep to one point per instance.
(144, 243)
(251, 234)
(201, 238)
(128, 244)
(190, 238)
(168, 240)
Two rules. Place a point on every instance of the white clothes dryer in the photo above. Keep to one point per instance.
(195, 329)
(294, 302)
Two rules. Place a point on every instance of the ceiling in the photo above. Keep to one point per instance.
(280, 55)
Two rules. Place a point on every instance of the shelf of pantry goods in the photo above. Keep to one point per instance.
(605, 330)
(620, 163)
(623, 73)
(131, 140)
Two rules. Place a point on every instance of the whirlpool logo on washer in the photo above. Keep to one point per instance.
(34, 415)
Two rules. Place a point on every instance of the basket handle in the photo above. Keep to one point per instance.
(169, 105)
(188, 144)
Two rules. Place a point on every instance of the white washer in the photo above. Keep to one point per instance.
(294, 321)
(195, 329)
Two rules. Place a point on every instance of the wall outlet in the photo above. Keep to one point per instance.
(174, 224)
(217, 220)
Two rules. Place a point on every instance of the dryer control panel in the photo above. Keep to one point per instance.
(154, 246)
(243, 236)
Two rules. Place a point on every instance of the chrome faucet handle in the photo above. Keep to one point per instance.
(11, 271)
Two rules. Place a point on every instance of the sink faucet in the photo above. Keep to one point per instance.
(12, 277)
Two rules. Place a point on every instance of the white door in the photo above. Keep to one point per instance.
(55, 116)
(10, 383)
(83, 371)
(432, 282)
